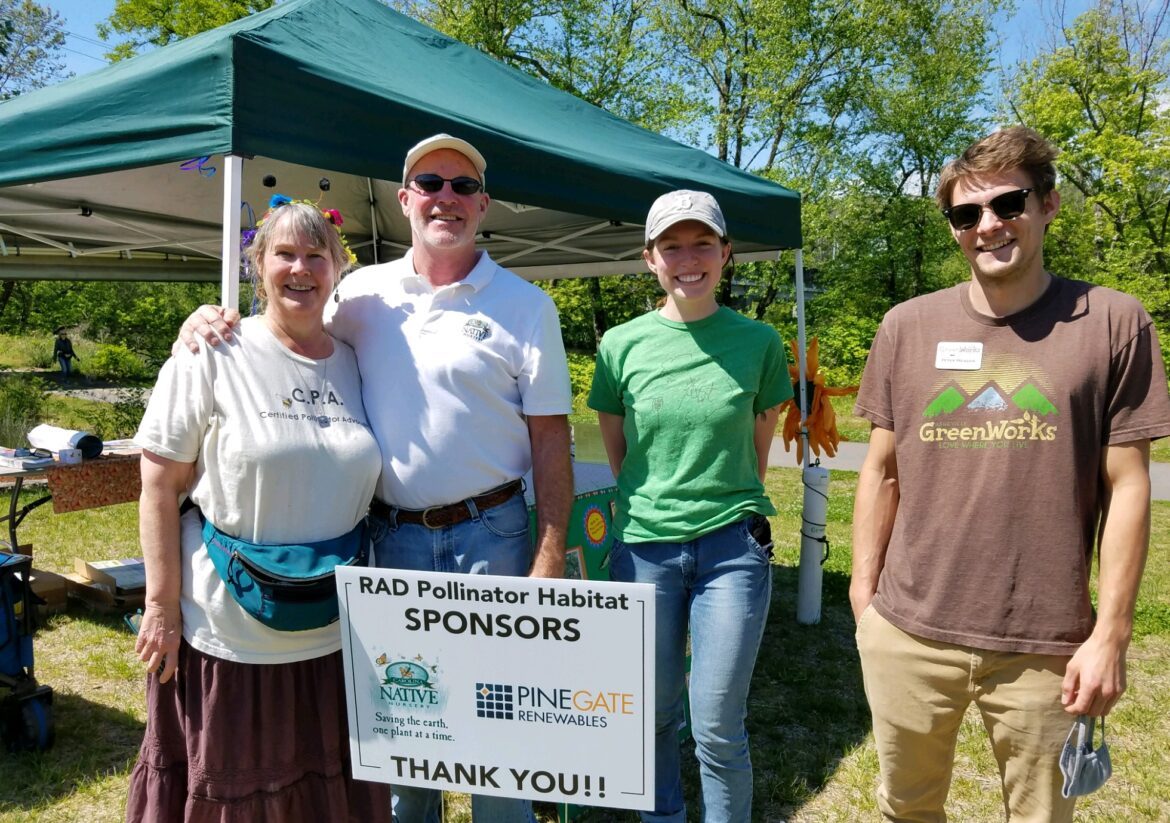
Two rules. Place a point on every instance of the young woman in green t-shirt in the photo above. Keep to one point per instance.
(688, 400)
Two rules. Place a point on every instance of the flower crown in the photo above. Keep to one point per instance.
(278, 200)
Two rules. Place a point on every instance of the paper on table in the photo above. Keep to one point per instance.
(55, 438)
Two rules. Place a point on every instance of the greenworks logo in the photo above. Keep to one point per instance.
(989, 417)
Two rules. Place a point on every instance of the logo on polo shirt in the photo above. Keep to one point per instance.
(477, 329)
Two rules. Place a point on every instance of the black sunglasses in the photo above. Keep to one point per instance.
(432, 183)
(1007, 206)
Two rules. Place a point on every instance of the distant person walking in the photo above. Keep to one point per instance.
(63, 351)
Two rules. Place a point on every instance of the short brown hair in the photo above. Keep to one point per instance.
(299, 220)
(1016, 147)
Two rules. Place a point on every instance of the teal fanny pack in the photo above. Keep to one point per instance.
(286, 587)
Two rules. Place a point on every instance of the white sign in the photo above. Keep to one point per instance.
(506, 686)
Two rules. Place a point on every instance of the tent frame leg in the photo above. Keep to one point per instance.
(229, 284)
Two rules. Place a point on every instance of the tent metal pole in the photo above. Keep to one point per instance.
(802, 349)
(373, 220)
(816, 484)
(233, 176)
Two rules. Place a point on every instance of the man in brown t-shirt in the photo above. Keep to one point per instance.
(1012, 415)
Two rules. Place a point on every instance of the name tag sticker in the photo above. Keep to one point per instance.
(958, 356)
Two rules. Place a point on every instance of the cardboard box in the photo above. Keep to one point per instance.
(121, 577)
(50, 587)
(99, 596)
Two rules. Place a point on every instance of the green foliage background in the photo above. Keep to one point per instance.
(856, 105)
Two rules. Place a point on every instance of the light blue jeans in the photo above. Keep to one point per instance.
(720, 585)
(494, 541)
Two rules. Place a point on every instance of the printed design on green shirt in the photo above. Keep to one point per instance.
(1003, 404)
(687, 392)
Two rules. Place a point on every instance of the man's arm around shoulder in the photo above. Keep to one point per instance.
(874, 508)
(208, 323)
(1095, 677)
(552, 480)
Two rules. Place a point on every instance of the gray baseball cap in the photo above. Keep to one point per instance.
(676, 206)
(444, 141)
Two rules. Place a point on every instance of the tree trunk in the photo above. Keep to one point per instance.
(6, 294)
(600, 324)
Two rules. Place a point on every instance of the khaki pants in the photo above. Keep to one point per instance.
(918, 692)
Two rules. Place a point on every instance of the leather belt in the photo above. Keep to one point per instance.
(437, 517)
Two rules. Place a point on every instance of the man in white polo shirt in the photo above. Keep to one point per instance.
(466, 387)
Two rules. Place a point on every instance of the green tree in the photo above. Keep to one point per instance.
(617, 298)
(1100, 95)
(31, 39)
(157, 22)
(7, 30)
(140, 316)
(858, 108)
(607, 52)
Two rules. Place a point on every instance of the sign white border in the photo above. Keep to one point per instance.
(505, 686)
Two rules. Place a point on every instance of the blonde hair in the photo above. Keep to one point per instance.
(1016, 147)
(299, 220)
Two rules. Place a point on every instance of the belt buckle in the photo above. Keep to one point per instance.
(426, 513)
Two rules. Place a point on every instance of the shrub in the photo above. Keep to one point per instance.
(21, 402)
(120, 418)
(113, 361)
(580, 372)
(29, 351)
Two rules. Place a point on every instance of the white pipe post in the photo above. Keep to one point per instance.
(812, 544)
(233, 176)
(816, 484)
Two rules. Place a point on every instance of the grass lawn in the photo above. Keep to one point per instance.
(814, 759)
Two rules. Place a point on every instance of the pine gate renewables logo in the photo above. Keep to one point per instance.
(1005, 404)
(586, 708)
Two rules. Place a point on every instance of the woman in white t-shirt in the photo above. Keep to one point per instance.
(268, 437)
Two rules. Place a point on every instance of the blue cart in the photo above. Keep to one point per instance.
(26, 708)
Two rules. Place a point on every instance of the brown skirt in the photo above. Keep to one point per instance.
(229, 741)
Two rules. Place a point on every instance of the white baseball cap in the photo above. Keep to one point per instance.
(676, 206)
(444, 141)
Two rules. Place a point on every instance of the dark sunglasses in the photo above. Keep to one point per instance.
(432, 183)
(1007, 206)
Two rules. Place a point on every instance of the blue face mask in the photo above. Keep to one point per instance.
(1085, 769)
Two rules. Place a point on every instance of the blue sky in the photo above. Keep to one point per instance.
(1023, 32)
(85, 47)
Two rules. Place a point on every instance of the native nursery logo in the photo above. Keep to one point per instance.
(585, 708)
(408, 684)
(1004, 404)
(477, 329)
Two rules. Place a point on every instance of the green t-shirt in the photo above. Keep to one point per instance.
(689, 393)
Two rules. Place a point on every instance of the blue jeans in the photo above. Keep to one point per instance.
(494, 541)
(720, 585)
(65, 364)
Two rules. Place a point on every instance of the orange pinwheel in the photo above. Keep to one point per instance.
(822, 420)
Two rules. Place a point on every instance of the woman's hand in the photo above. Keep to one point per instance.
(158, 639)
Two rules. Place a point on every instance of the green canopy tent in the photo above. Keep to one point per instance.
(146, 169)
(340, 89)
